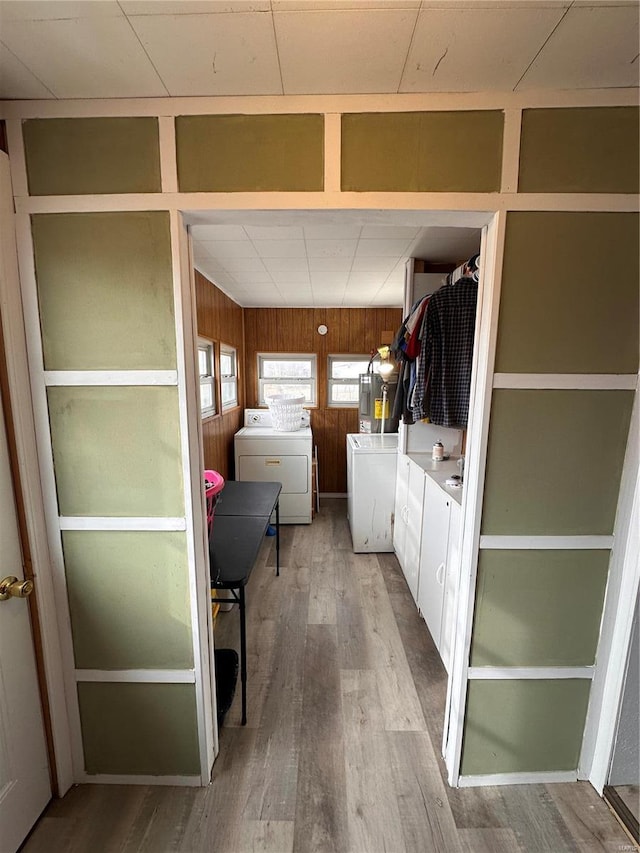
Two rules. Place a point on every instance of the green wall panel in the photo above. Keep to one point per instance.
(129, 599)
(116, 450)
(139, 728)
(105, 290)
(243, 153)
(554, 461)
(75, 156)
(522, 726)
(538, 608)
(422, 152)
(579, 150)
(569, 298)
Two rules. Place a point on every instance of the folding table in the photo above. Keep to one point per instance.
(242, 517)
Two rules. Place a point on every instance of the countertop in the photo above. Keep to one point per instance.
(439, 471)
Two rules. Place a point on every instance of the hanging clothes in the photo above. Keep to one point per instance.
(443, 380)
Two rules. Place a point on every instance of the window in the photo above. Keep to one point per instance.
(228, 377)
(207, 378)
(344, 370)
(293, 375)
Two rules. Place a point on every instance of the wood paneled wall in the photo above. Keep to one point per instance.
(351, 330)
(221, 320)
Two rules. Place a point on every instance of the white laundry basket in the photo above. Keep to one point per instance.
(286, 412)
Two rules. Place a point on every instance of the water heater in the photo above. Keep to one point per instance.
(376, 403)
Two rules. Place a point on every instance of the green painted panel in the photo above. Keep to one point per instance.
(242, 153)
(129, 599)
(146, 729)
(522, 726)
(105, 289)
(116, 451)
(76, 156)
(422, 152)
(554, 461)
(538, 608)
(569, 298)
(579, 150)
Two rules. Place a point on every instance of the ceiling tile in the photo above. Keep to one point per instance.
(224, 249)
(475, 49)
(218, 232)
(592, 48)
(332, 232)
(288, 278)
(366, 279)
(335, 5)
(235, 265)
(329, 279)
(382, 248)
(192, 7)
(331, 248)
(319, 265)
(84, 57)
(382, 266)
(16, 81)
(247, 279)
(280, 248)
(406, 232)
(277, 265)
(338, 51)
(224, 54)
(45, 10)
(274, 232)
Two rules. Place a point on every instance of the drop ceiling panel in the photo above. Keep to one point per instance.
(234, 265)
(332, 232)
(43, 10)
(472, 49)
(331, 248)
(192, 7)
(280, 248)
(274, 232)
(328, 265)
(339, 51)
(381, 266)
(224, 249)
(97, 57)
(382, 248)
(280, 265)
(592, 48)
(223, 54)
(218, 232)
(16, 80)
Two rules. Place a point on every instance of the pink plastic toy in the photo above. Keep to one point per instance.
(213, 485)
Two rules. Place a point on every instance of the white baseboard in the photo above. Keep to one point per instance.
(123, 779)
(540, 778)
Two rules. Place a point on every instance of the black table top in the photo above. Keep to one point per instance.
(247, 498)
(233, 548)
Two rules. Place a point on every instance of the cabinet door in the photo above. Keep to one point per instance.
(415, 498)
(433, 558)
(450, 585)
(400, 510)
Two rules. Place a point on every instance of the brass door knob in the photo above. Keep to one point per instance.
(11, 586)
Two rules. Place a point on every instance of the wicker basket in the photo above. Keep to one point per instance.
(286, 412)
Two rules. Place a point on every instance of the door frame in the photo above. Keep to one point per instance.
(48, 650)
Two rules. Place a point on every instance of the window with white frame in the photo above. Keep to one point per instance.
(287, 373)
(344, 384)
(206, 369)
(228, 377)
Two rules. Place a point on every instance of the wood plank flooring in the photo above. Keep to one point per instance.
(341, 753)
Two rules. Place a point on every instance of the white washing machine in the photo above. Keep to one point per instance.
(263, 453)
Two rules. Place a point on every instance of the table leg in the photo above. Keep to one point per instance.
(278, 537)
(243, 656)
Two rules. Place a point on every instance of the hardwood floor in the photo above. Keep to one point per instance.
(342, 748)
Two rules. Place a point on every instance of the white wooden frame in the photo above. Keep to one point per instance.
(447, 207)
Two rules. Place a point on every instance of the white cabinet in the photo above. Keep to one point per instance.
(438, 562)
(407, 530)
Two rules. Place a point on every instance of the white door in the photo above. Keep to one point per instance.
(433, 558)
(415, 500)
(24, 775)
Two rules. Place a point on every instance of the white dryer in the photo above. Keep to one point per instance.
(263, 453)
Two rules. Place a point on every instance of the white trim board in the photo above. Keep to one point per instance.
(106, 779)
(137, 676)
(534, 778)
(455, 202)
(511, 150)
(492, 542)
(91, 522)
(282, 104)
(528, 673)
(567, 381)
(110, 377)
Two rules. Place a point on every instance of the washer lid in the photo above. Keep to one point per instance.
(368, 442)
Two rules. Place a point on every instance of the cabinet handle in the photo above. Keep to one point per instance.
(440, 573)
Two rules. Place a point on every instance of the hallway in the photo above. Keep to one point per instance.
(341, 751)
